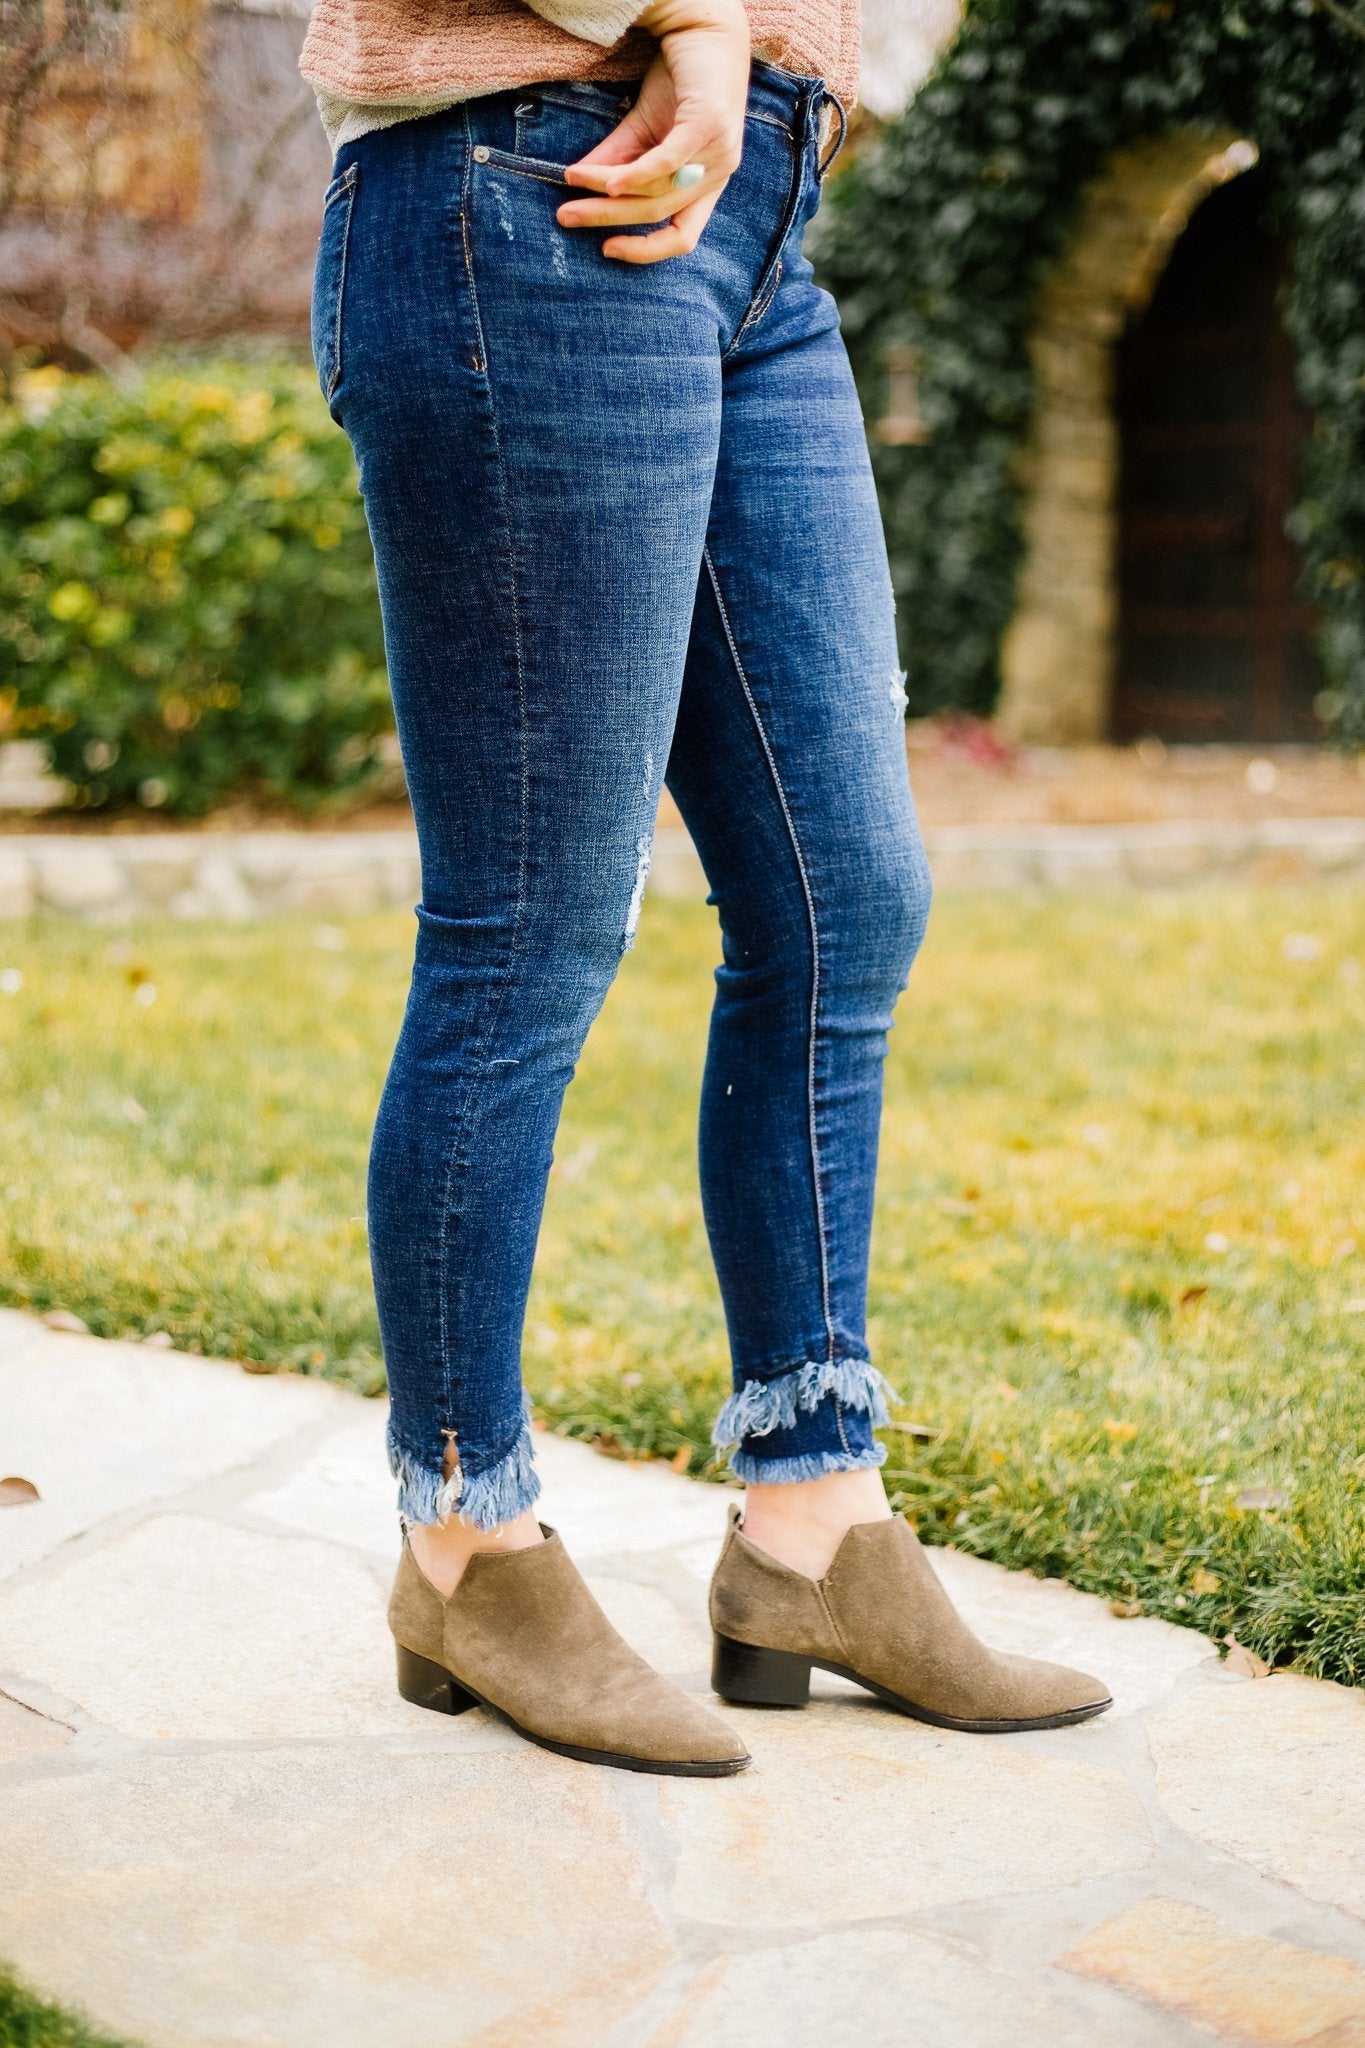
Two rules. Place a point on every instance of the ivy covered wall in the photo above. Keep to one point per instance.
(940, 235)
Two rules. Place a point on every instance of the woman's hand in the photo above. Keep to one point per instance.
(690, 111)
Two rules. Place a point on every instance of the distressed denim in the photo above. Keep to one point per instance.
(626, 534)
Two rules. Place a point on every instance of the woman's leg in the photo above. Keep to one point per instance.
(789, 763)
(789, 766)
(537, 432)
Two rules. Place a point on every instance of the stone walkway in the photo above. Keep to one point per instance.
(219, 1825)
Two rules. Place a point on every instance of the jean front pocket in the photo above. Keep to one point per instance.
(540, 131)
(329, 277)
(525, 166)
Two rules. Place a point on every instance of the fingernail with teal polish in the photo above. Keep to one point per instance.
(687, 176)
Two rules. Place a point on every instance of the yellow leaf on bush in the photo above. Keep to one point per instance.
(70, 601)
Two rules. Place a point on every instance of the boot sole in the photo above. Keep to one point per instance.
(748, 1676)
(425, 1684)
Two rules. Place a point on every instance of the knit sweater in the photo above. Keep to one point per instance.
(375, 62)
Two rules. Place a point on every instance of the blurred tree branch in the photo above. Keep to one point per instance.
(160, 162)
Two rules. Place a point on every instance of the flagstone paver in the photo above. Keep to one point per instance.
(220, 1826)
(1303, 1822)
(1256, 1990)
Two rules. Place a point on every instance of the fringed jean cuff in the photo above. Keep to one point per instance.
(817, 1418)
(485, 1499)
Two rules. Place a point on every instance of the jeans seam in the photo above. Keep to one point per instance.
(813, 1029)
(824, 165)
(345, 189)
(765, 291)
(761, 304)
(480, 346)
(495, 1010)
(581, 97)
(770, 120)
(542, 168)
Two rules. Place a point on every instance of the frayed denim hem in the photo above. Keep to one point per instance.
(751, 1471)
(486, 1499)
(761, 1406)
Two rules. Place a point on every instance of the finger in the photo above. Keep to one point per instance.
(590, 174)
(687, 143)
(679, 238)
(619, 180)
(653, 170)
(620, 213)
(624, 145)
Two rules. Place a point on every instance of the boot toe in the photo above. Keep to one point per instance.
(683, 1732)
(715, 1741)
(1046, 1690)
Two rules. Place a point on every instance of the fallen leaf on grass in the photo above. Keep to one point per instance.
(1262, 1497)
(681, 1458)
(259, 1365)
(1126, 1610)
(1205, 1581)
(1243, 1661)
(608, 1446)
(17, 1493)
(62, 1319)
(1191, 1294)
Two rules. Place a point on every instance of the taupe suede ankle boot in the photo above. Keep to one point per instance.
(880, 1617)
(521, 1633)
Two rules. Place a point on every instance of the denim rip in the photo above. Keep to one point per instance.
(626, 532)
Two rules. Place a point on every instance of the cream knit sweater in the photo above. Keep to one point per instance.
(375, 62)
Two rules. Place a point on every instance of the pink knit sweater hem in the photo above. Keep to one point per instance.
(377, 52)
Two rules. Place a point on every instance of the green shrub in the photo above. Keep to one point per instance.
(940, 235)
(187, 593)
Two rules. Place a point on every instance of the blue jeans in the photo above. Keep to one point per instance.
(626, 533)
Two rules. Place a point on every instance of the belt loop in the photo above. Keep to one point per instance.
(832, 99)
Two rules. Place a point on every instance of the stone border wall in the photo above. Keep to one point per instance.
(252, 874)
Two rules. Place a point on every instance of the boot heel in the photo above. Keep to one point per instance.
(430, 1685)
(759, 1678)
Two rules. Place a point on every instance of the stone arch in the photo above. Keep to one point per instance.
(1058, 655)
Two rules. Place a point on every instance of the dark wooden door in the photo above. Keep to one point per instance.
(1214, 641)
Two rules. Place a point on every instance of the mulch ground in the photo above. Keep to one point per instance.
(963, 774)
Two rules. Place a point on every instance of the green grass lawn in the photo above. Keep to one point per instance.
(1118, 1266)
(30, 2022)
